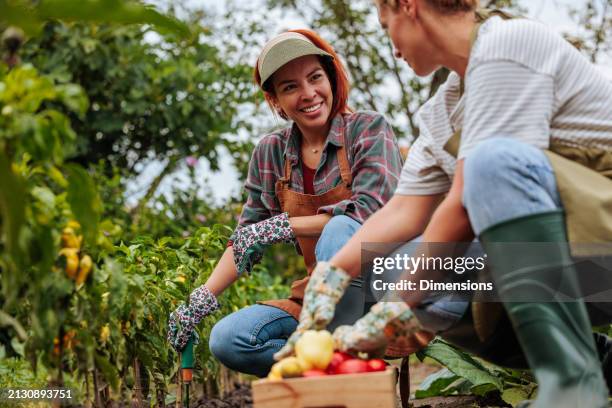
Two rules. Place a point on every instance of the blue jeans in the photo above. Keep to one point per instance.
(436, 313)
(246, 340)
(505, 179)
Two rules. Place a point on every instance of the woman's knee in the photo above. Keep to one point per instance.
(489, 163)
(221, 341)
(338, 230)
(504, 179)
(497, 162)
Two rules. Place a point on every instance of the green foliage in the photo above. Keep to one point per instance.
(149, 98)
(462, 365)
(465, 374)
(31, 15)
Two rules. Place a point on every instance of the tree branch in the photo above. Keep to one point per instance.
(170, 167)
(600, 33)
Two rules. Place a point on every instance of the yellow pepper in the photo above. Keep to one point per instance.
(84, 268)
(315, 349)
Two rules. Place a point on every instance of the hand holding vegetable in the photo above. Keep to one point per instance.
(386, 322)
(325, 288)
(249, 242)
(182, 322)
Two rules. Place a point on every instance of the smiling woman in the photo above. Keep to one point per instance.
(312, 183)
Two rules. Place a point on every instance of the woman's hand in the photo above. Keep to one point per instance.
(325, 288)
(249, 242)
(386, 323)
(182, 322)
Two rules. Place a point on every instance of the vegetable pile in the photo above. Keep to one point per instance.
(315, 357)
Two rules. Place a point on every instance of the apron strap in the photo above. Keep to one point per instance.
(343, 162)
(345, 167)
(283, 184)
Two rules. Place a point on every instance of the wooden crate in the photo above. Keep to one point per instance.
(365, 390)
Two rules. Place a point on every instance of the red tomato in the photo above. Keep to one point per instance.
(376, 364)
(337, 359)
(315, 372)
(353, 366)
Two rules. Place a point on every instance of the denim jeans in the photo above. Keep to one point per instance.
(246, 340)
(505, 179)
(436, 312)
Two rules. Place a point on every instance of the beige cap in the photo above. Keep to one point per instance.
(282, 49)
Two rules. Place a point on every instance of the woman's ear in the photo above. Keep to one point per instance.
(273, 102)
(408, 7)
(271, 99)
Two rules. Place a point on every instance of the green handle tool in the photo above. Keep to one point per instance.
(187, 370)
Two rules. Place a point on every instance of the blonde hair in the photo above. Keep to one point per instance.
(443, 6)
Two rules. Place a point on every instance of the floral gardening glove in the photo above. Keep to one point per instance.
(325, 288)
(182, 322)
(386, 322)
(249, 242)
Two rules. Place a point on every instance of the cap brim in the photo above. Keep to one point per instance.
(285, 52)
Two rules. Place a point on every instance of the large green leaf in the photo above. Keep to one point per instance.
(31, 18)
(84, 200)
(463, 365)
(436, 384)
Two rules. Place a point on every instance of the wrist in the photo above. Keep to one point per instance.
(389, 310)
(202, 302)
(330, 277)
(277, 229)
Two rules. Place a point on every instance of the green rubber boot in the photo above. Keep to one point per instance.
(555, 335)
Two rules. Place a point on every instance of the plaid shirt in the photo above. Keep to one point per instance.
(373, 155)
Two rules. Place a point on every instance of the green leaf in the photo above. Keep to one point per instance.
(12, 218)
(108, 371)
(514, 396)
(436, 383)
(44, 204)
(74, 98)
(30, 18)
(84, 201)
(462, 364)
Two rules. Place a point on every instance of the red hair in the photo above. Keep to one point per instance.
(333, 68)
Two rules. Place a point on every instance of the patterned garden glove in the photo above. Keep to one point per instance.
(325, 288)
(182, 322)
(249, 242)
(385, 322)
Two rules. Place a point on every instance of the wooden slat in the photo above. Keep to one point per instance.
(366, 390)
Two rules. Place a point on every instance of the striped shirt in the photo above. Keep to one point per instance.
(526, 82)
(523, 81)
(372, 152)
(429, 169)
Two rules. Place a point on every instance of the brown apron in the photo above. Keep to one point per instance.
(299, 205)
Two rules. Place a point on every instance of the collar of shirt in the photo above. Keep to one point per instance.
(293, 134)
